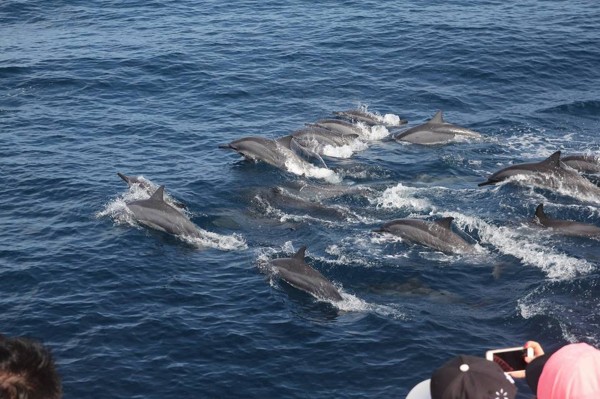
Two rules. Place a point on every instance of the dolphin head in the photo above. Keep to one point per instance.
(257, 149)
(131, 180)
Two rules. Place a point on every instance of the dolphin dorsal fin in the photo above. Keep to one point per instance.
(539, 213)
(285, 141)
(437, 118)
(301, 253)
(159, 194)
(553, 160)
(445, 222)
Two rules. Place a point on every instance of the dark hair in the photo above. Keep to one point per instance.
(27, 370)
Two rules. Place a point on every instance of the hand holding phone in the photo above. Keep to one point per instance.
(510, 359)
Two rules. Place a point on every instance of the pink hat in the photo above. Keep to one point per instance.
(572, 372)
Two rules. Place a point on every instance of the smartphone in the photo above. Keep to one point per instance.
(510, 359)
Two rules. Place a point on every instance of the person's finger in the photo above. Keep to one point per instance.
(517, 374)
(537, 350)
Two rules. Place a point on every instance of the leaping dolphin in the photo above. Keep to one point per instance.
(157, 214)
(300, 275)
(437, 235)
(566, 227)
(435, 131)
(549, 173)
(547, 166)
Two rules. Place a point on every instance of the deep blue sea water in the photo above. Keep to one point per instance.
(151, 88)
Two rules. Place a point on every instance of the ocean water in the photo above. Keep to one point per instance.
(152, 88)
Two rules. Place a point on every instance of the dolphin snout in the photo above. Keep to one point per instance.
(122, 176)
(227, 146)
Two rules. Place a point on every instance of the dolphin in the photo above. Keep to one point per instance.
(549, 173)
(368, 118)
(583, 163)
(548, 166)
(261, 149)
(413, 287)
(318, 137)
(157, 214)
(435, 131)
(147, 187)
(566, 227)
(338, 125)
(314, 192)
(437, 234)
(300, 275)
(131, 180)
(285, 199)
(274, 152)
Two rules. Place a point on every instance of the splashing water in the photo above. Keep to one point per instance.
(401, 196)
(557, 266)
(310, 170)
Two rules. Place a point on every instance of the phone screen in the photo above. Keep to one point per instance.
(511, 361)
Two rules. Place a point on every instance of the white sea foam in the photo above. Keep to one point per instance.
(351, 303)
(310, 170)
(531, 143)
(342, 257)
(345, 151)
(372, 133)
(556, 265)
(117, 208)
(401, 196)
(391, 120)
(209, 239)
(575, 186)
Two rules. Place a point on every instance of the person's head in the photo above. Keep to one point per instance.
(27, 370)
(572, 372)
(466, 377)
